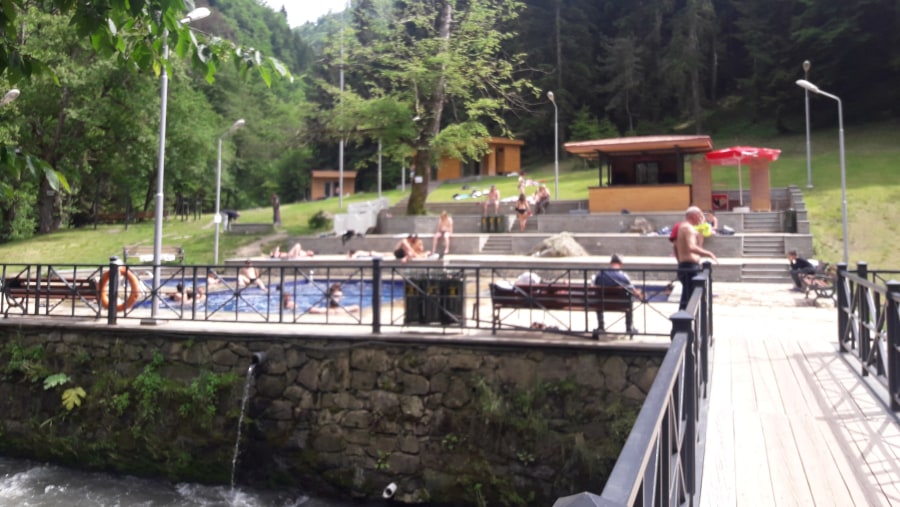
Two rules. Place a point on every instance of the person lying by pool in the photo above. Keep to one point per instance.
(293, 253)
(333, 302)
(368, 254)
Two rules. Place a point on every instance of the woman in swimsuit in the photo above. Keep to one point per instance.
(523, 210)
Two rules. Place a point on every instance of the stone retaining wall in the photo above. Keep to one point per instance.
(449, 421)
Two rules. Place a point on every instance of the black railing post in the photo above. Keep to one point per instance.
(683, 322)
(376, 295)
(707, 267)
(893, 341)
(38, 269)
(842, 298)
(864, 347)
(113, 288)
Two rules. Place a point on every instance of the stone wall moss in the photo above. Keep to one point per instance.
(450, 423)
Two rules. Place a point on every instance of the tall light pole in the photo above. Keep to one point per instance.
(555, 145)
(341, 145)
(194, 15)
(379, 168)
(806, 85)
(806, 66)
(218, 216)
(9, 96)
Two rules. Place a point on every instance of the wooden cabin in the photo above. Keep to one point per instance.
(325, 183)
(642, 173)
(504, 157)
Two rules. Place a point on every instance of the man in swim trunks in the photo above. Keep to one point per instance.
(493, 197)
(688, 252)
(250, 275)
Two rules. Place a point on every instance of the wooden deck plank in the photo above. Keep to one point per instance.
(812, 433)
(768, 397)
(751, 461)
(789, 482)
(828, 379)
(743, 393)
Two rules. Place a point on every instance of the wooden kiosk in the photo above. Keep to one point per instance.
(644, 173)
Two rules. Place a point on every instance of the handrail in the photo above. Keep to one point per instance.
(402, 290)
(661, 462)
(869, 325)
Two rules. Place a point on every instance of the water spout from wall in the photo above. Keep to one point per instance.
(256, 362)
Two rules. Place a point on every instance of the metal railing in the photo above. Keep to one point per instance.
(376, 294)
(869, 324)
(661, 462)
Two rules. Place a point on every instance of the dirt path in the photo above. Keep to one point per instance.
(255, 249)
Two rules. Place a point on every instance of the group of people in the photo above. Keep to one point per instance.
(539, 201)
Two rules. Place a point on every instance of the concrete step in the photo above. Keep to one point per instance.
(498, 244)
(765, 273)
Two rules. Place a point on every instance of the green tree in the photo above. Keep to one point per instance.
(407, 63)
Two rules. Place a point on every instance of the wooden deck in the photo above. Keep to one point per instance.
(790, 420)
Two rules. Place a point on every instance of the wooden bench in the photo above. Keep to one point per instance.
(18, 290)
(820, 283)
(144, 254)
(543, 296)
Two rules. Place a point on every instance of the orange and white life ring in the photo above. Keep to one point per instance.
(134, 291)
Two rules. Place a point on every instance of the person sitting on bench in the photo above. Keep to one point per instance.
(799, 267)
(615, 277)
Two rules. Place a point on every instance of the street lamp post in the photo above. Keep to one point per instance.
(806, 66)
(555, 145)
(9, 96)
(218, 216)
(379, 168)
(806, 85)
(194, 15)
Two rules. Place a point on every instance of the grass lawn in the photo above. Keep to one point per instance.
(873, 189)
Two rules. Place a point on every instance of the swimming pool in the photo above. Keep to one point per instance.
(305, 295)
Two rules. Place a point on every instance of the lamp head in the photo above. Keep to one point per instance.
(551, 97)
(10, 96)
(806, 65)
(802, 83)
(196, 14)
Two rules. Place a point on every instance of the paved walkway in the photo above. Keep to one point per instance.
(790, 420)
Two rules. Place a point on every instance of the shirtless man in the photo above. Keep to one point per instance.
(250, 275)
(493, 197)
(444, 230)
(688, 252)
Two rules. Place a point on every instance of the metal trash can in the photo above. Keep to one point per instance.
(790, 220)
(438, 299)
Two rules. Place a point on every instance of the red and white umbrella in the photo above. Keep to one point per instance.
(736, 155)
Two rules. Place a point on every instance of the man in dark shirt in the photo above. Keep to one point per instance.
(612, 277)
(799, 267)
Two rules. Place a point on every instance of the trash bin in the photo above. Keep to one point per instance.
(790, 220)
(438, 299)
(485, 224)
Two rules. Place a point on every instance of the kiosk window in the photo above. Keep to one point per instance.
(646, 173)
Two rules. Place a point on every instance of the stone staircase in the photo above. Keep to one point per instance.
(766, 273)
(498, 244)
(762, 222)
(763, 245)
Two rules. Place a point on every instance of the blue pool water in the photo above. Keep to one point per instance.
(304, 294)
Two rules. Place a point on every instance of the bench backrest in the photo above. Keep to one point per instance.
(562, 297)
(52, 287)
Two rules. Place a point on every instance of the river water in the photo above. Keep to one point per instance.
(29, 484)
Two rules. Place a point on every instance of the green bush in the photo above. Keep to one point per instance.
(321, 220)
